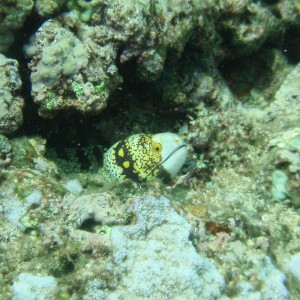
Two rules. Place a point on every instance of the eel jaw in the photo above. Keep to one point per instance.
(175, 160)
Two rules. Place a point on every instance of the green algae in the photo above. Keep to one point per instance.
(52, 101)
(84, 9)
(77, 89)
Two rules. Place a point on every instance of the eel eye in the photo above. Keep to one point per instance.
(157, 147)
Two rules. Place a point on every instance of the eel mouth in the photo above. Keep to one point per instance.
(169, 156)
(173, 152)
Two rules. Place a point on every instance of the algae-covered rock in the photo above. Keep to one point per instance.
(12, 16)
(157, 250)
(98, 208)
(283, 116)
(283, 112)
(284, 153)
(14, 208)
(28, 286)
(5, 151)
(31, 180)
(267, 281)
(148, 30)
(253, 23)
(84, 9)
(292, 268)
(11, 101)
(46, 8)
(70, 71)
(279, 180)
(111, 35)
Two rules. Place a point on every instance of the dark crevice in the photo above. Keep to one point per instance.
(292, 44)
(89, 225)
(247, 72)
(32, 121)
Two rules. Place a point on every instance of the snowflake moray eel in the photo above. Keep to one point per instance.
(145, 157)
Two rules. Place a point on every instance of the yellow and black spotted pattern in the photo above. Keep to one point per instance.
(138, 158)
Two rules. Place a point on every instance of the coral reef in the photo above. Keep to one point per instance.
(286, 103)
(70, 72)
(11, 102)
(146, 33)
(84, 9)
(284, 147)
(98, 208)
(13, 209)
(12, 16)
(5, 152)
(292, 270)
(155, 247)
(259, 24)
(29, 286)
(79, 76)
(47, 8)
